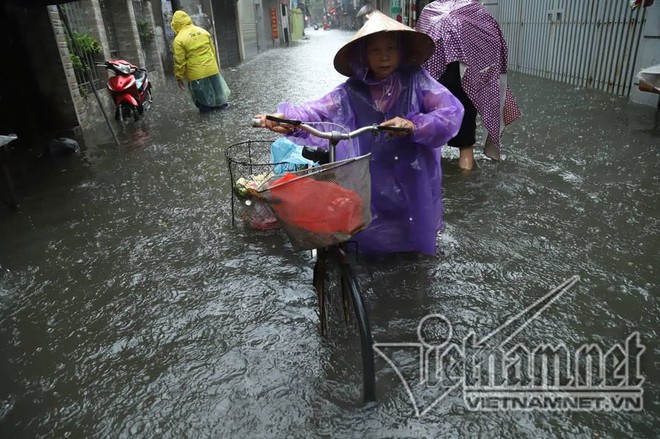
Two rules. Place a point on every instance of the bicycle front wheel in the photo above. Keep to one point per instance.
(342, 313)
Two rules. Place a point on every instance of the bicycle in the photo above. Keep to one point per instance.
(332, 268)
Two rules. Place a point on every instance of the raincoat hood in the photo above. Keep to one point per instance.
(415, 47)
(180, 20)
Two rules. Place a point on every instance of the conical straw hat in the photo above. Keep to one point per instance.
(417, 47)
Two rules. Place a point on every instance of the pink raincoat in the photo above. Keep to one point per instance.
(464, 31)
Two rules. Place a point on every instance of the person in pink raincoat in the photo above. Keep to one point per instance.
(471, 61)
(387, 86)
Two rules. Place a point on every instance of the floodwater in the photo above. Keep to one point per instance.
(131, 307)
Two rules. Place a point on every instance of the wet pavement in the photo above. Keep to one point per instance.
(130, 305)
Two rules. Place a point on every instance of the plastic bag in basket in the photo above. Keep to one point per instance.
(316, 206)
(259, 216)
(288, 156)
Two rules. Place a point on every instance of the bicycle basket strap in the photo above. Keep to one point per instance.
(325, 206)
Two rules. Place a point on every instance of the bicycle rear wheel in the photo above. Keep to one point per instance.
(342, 312)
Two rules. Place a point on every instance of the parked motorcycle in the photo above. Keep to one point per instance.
(129, 88)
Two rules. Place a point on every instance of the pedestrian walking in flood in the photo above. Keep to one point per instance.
(471, 61)
(195, 61)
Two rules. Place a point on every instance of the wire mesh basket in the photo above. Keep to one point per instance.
(315, 207)
(322, 206)
(250, 165)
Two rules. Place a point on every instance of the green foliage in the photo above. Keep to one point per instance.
(86, 44)
(77, 63)
(144, 31)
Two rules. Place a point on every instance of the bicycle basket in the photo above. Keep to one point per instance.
(322, 206)
(250, 165)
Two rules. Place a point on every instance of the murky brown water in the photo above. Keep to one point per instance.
(129, 305)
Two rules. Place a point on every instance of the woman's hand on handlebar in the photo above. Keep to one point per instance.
(273, 125)
(399, 122)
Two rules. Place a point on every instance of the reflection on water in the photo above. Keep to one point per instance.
(130, 306)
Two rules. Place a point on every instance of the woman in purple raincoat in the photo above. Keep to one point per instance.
(387, 86)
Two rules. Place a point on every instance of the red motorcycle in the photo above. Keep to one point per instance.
(129, 88)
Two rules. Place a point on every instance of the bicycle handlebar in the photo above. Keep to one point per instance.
(334, 136)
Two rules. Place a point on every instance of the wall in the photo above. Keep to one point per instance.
(284, 23)
(41, 96)
(54, 108)
(600, 44)
(649, 54)
(248, 27)
(296, 21)
(267, 23)
(121, 19)
(128, 40)
(34, 85)
(225, 18)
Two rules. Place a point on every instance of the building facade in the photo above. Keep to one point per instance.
(56, 49)
(599, 44)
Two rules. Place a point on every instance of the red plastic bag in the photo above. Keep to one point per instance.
(316, 206)
(260, 217)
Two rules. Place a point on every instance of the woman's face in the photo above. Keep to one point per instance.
(382, 55)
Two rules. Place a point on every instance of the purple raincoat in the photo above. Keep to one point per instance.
(464, 31)
(406, 198)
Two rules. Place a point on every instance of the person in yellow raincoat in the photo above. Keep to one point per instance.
(195, 61)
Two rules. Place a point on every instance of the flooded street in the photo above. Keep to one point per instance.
(130, 306)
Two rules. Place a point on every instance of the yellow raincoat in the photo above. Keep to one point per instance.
(194, 54)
